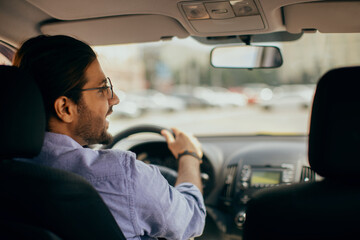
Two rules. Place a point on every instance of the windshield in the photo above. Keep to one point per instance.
(172, 84)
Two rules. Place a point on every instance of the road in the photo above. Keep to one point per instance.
(228, 121)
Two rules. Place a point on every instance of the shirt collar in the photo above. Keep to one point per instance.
(62, 139)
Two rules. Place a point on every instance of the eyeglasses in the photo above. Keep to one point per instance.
(108, 88)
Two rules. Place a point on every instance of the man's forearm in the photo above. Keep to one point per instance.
(189, 171)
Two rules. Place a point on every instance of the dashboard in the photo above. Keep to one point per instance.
(234, 168)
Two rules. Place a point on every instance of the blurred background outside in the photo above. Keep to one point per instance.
(173, 84)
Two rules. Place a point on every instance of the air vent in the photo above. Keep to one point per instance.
(229, 184)
(307, 174)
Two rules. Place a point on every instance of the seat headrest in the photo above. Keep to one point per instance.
(334, 138)
(22, 121)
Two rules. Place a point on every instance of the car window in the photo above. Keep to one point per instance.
(172, 84)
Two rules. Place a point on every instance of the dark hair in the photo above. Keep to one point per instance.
(58, 64)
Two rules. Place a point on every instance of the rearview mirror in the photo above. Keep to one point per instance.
(246, 57)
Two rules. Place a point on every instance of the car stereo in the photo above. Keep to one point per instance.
(254, 177)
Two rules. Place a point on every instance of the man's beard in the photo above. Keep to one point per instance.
(91, 128)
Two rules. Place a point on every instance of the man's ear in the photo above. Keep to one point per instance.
(65, 109)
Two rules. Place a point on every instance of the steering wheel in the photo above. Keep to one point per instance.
(169, 174)
(143, 128)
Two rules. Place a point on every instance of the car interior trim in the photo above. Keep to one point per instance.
(140, 24)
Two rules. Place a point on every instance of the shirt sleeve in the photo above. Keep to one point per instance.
(165, 211)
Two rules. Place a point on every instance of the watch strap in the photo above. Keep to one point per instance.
(191, 153)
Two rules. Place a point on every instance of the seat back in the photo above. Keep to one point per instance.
(40, 202)
(327, 209)
(334, 135)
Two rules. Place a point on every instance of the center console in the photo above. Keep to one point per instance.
(256, 168)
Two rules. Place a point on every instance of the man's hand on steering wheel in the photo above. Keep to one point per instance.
(187, 149)
(182, 142)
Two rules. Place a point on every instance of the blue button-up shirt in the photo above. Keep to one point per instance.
(142, 202)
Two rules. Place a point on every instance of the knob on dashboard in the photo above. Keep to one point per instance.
(240, 219)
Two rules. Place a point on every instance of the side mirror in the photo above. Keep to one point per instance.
(246, 57)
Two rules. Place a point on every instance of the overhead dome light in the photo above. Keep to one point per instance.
(195, 11)
(244, 8)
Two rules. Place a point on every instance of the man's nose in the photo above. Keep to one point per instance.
(115, 100)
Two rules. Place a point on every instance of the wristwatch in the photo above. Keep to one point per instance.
(191, 153)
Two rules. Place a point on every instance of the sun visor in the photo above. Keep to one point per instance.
(326, 17)
(120, 29)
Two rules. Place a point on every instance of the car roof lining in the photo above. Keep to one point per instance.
(138, 21)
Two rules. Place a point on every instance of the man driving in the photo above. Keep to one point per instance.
(78, 98)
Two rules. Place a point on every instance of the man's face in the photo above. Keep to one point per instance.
(93, 108)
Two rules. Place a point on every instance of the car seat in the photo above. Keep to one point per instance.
(330, 208)
(39, 202)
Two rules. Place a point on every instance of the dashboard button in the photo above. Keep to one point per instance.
(240, 219)
(244, 199)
